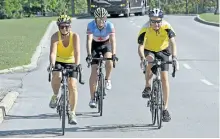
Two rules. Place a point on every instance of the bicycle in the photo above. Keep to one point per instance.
(63, 106)
(156, 102)
(100, 89)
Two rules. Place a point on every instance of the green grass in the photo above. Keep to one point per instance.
(210, 17)
(19, 39)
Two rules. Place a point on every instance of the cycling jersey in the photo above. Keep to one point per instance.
(100, 35)
(65, 54)
(156, 41)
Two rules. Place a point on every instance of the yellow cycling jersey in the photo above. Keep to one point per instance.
(155, 41)
(65, 54)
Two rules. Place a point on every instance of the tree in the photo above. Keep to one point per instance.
(217, 7)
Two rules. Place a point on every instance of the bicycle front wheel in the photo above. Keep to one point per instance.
(159, 104)
(64, 109)
(153, 105)
(101, 92)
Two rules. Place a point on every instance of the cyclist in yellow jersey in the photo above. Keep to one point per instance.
(154, 39)
(65, 50)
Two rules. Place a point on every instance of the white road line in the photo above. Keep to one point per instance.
(131, 21)
(206, 82)
(139, 26)
(187, 66)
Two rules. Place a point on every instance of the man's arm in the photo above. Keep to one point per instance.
(76, 45)
(141, 51)
(89, 39)
(173, 46)
(113, 43)
(171, 34)
(111, 30)
(89, 43)
(53, 49)
(141, 42)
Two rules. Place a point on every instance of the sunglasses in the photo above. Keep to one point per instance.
(156, 21)
(65, 26)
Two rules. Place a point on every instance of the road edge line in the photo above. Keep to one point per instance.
(7, 103)
(198, 19)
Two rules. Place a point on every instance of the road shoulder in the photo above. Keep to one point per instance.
(200, 20)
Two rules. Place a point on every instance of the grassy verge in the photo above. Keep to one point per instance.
(19, 39)
(210, 17)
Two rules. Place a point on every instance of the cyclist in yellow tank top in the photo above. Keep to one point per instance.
(153, 39)
(65, 50)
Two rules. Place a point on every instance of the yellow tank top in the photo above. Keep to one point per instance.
(65, 54)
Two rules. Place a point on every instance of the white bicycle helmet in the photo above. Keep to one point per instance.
(156, 12)
(100, 12)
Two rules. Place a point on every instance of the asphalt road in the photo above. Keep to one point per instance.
(194, 96)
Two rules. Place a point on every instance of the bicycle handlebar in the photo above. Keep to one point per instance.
(102, 59)
(62, 69)
(159, 63)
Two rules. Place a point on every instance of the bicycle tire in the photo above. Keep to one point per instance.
(159, 104)
(153, 104)
(64, 110)
(97, 95)
(101, 93)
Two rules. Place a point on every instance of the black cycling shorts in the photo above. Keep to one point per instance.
(162, 55)
(74, 74)
(102, 47)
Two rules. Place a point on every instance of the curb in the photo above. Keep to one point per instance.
(198, 19)
(7, 103)
(182, 14)
(35, 57)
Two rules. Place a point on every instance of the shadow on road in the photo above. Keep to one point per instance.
(53, 132)
(50, 116)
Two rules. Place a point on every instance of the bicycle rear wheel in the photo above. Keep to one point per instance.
(159, 104)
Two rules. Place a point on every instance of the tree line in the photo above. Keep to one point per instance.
(186, 6)
(28, 8)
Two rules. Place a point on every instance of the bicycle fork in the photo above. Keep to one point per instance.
(61, 102)
(152, 99)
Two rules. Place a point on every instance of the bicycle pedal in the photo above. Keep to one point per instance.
(148, 104)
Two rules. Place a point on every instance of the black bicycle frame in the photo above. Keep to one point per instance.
(156, 93)
(63, 102)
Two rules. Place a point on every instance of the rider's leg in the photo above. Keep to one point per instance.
(55, 83)
(148, 75)
(93, 76)
(93, 83)
(73, 96)
(165, 86)
(108, 67)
